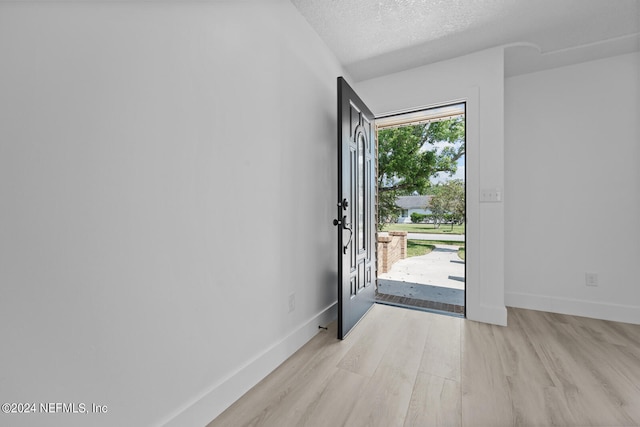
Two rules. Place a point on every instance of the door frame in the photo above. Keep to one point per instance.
(474, 308)
(415, 121)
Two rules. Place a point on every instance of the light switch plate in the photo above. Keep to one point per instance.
(491, 195)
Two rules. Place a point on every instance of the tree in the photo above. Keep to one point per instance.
(448, 203)
(438, 210)
(408, 158)
(451, 132)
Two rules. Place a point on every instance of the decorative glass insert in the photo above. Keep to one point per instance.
(361, 190)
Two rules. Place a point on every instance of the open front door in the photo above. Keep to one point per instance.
(356, 209)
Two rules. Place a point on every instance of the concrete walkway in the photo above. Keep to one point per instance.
(433, 282)
(441, 267)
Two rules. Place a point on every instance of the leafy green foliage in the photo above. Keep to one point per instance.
(388, 212)
(408, 158)
(417, 218)
(448, 203)
(402, 165)
(452, 132)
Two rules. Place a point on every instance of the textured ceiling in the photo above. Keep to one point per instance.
(377, 37)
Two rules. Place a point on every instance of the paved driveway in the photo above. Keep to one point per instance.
(443, 236)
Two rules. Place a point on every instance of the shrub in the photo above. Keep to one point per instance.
(417, 217)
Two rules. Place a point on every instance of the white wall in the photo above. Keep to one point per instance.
(479, 80)
(572, 204)
(167, 180)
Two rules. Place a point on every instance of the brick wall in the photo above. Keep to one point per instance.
(392, 247)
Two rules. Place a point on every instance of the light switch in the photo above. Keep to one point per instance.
(491, 195)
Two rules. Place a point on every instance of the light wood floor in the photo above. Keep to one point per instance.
(410, 368)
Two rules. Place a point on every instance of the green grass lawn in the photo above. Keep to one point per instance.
(425, 228)
(423, 247)
(418, 247)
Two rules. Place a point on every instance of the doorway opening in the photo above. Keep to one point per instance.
(421, 239)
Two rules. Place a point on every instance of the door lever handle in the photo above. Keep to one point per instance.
(347, 226)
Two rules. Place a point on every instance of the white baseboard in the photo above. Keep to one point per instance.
(220, 396)
(487, 314)
(596, 310)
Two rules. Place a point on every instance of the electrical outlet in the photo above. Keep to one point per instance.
(292, 303)
(591, 279)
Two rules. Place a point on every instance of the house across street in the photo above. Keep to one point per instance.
(412, 204)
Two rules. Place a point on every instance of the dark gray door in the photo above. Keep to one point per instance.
(356, 209)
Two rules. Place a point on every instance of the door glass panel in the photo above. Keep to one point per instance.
(361, 207)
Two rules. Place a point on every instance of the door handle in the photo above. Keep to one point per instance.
(345, 226)
(344, 204)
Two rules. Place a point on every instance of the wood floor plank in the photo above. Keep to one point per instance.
(619, 343)
(557, 357)
(385, 399)
(527, 378)
(436, 401)
(614, 388)
(543, 369)
(517, 354)
(590, 400)
(560, 408)
(441, 354)
(311, 384)
(364, 356)
(486, 400)
(332, 409)
(290, 385)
